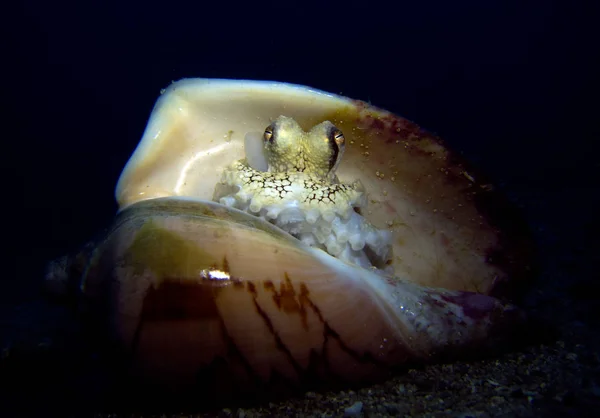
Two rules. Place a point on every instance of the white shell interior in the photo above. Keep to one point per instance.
(198, 126)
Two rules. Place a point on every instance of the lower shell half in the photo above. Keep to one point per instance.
(197, 296)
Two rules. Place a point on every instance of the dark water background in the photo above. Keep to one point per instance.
(511, 84)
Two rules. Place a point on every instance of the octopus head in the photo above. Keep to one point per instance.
(289, 148)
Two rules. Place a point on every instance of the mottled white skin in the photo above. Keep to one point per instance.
(301, 194)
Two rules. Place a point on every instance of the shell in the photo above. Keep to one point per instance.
(196, 294)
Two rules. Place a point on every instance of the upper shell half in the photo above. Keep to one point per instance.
(450, 228)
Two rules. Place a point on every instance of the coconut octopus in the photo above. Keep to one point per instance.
(302, 195)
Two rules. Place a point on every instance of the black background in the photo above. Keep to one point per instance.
(511, 84)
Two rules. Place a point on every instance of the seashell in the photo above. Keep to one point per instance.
(197, 294)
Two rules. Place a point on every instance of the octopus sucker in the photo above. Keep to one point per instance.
(235, 267)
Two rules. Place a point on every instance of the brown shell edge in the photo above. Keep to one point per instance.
(515, 253)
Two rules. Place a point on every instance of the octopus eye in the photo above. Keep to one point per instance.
(338, 137)
(268, 135)
(337, 143)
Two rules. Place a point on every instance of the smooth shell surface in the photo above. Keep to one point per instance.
(451, 229)
(196, 294)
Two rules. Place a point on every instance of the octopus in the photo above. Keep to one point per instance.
(301, 194)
